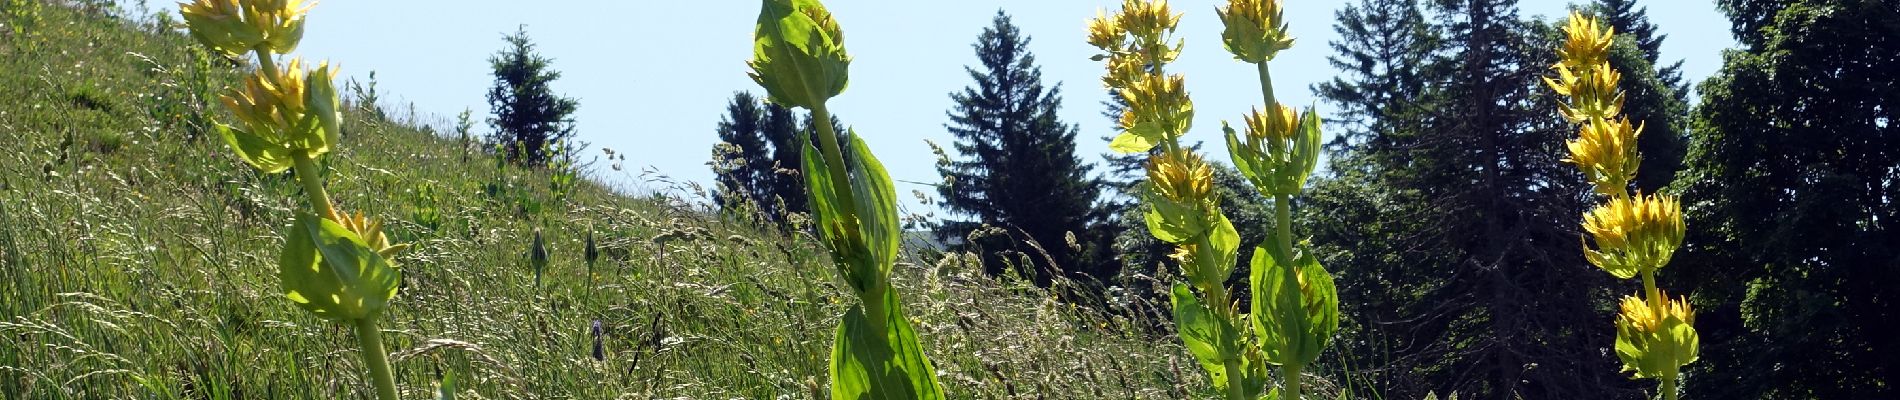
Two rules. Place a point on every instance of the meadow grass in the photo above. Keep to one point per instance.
(138, 260)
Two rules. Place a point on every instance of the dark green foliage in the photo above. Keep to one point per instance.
(1018, 171)
(1790, 189)
(757, 161)
(532, 125)
(740, 160)
(1449, 213)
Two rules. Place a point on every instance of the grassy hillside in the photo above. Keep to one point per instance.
(137, 260)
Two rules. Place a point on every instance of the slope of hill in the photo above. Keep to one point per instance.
(137, 260)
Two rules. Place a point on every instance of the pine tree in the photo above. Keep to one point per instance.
(532, 124)
(1017, 170)
(1790, 189)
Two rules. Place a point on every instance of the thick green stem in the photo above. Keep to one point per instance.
(264, 62)
(874, 308)
(1669, 389)
(1283, 224)
(834, 156)
(312, 180)
(1290, 381)
(1266, 88)
(1653, 295)
(369, 342)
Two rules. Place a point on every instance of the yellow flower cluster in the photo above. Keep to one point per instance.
(371, 231)
(1138, 42)
(1633, 235)
(1255, 29)
(1181, 177)
(1656, 338)
(294, 109)
(235, 27)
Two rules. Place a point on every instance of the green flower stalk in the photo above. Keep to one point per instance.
(1294, 311)
(799, 58)
(335, 265)
(1295, 306)
(1629, 235)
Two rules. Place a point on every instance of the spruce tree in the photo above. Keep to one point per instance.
(1017, 170)
(1449, 213)
(532, 124)
(756, 162)
(1790, 188)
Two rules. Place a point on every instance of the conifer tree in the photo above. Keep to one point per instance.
(532, 124)
(1017, 170)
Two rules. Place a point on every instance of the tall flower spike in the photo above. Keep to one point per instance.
(1634, 234)
(1653, 342)
(1255, 29)
(1605, 151)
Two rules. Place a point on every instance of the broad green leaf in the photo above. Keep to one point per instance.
(1200, 332)
(828, 212)
(446, 390)
(1306, 150)
(1279, 305)
(1226, 243)
(871, 365)
(267, 157)
(319, 131)
(1134, 141)
(877, 207)
(1177, 223)
(1245, 160)
(329, 271)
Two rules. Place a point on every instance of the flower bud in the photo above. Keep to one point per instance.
(1653, 342)
(798, 53)
(1586, 42)
(1255, 29)
(1634, 234)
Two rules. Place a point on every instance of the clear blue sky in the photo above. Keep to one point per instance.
(653, 77)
